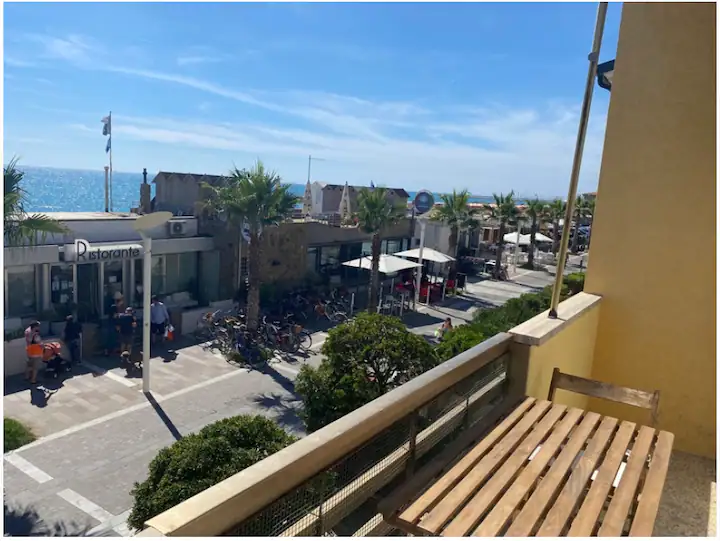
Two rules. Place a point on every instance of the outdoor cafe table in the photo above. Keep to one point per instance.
(546, 470)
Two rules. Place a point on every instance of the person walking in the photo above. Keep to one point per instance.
(159, 319)
(71, 337)
(126, 324)
(34, 350)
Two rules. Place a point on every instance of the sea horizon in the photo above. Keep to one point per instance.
(83, 189)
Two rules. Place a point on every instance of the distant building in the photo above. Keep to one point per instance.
(327, 198)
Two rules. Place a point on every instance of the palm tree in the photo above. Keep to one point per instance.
(375, 212)
(20, 226)
(556, 212)
(456, 213)
(583, 209)
(536, 211)
(258, 198)
(504, 211)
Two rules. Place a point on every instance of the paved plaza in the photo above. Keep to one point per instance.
(98, 432)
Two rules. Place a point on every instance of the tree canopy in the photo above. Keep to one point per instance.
(363, 359)
(199, 461)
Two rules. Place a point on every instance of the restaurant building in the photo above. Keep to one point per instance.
(101, 256)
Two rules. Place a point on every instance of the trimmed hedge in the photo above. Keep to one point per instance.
(575, 282)
(16, 435)
(488, 323)
(199, 461)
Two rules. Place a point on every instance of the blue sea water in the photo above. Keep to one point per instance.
(73, 190)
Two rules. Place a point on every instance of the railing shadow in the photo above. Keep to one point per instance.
(25, 522)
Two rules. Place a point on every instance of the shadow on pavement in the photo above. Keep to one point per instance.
(45, 388)
(284, 382)
(25, 522)
(285, 409)
(415, 319)
(163, 416)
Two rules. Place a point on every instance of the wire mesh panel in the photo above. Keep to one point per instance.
(319, 504)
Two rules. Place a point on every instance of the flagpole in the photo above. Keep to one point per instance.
(111, 167)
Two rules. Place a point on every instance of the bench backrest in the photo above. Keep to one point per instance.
(606, 391)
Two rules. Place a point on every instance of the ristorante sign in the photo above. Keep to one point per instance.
(84, 252)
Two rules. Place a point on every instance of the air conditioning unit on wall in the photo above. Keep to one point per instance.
(177, 228)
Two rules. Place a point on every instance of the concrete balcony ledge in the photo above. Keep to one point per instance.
(538, 330)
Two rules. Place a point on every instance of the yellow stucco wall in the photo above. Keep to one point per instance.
(653, 239)
(571, 350)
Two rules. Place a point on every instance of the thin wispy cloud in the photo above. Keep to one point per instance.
(72, 48)
(192, 60)
(413, 141)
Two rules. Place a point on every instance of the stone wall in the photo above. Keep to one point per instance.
(284, 254)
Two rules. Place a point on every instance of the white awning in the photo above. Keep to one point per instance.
(428, 255)
(512, 239)
(539, 237)
(389, 264)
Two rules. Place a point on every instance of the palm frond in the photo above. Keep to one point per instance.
(256, 196)
(18, 226)
(376, 211)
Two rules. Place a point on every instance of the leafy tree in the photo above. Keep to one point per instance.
(456, 213)
(556, 212)
(256, 197)
(18, 225)
(376, 212)
(199, 461)
(504, 211)
(364, 358)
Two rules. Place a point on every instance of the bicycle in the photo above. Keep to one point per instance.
(331, 312)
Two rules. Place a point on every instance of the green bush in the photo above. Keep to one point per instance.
(16, 435)
(458, 340)
(363, 359)
(575, 282)
(488, 323)
(201, 460)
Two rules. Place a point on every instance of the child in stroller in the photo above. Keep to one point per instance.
(54, 362)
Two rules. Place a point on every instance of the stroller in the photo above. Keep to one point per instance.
(55, 363)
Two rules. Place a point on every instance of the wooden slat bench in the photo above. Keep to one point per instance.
(547, 470)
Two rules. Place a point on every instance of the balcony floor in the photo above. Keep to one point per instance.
(688, 505)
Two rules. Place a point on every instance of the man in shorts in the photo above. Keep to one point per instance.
(159, 318)
(126, 324)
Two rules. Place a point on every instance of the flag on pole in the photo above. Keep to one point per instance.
(108, 146)
(107, 129)
(372, 184)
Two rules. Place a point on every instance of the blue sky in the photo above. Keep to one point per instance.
(438, 96)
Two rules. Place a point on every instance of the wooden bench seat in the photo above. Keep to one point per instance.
(546, 469)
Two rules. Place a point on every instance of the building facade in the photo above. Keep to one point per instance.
(101, 256)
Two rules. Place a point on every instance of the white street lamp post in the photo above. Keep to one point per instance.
(143, 225)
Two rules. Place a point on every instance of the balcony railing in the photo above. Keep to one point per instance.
(332, 480)
(324, 480)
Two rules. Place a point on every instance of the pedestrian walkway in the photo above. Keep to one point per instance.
(98, 431)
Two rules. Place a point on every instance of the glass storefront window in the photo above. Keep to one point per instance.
(366, 248)
(61, 288)
(113, 277)
(393, 246)
(21, 291)
(329, 259)
(181, 273)
(158, 275)
(311, 261)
